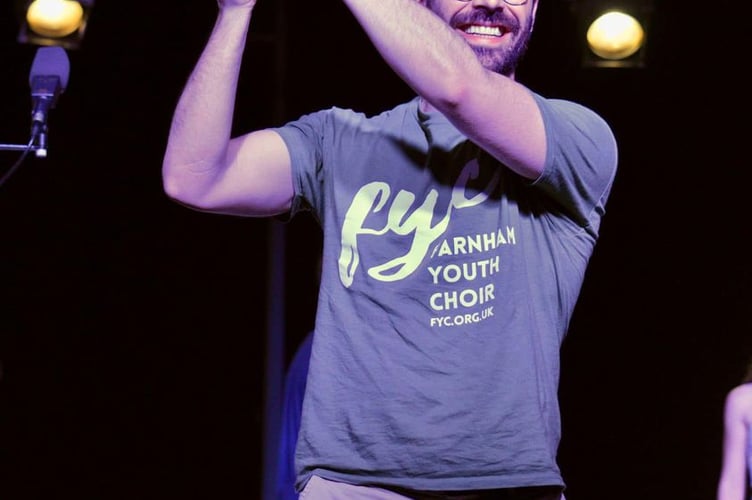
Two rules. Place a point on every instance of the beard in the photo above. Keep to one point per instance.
(504, 60)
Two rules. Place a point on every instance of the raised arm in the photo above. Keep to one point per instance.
(429, 48)
(736, 420)
(203, 167)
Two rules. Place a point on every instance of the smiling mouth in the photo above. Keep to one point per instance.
(479, 30)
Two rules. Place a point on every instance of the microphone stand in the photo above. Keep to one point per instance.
(38, 144)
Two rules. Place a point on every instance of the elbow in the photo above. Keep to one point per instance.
(171, 188)
(171, 184)
(180, 185)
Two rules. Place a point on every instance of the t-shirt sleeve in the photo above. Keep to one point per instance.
(581, 160)
(305, 138)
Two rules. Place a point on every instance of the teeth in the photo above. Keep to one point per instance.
(483, 30)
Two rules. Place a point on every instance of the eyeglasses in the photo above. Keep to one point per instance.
(515, 3)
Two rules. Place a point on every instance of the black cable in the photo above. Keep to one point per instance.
(18, 163)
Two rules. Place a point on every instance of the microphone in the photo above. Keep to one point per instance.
(48, 79)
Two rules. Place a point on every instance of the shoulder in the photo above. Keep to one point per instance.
(739, 400)
(741, 391)
(576, 113)
(578, 136)
(569, 123)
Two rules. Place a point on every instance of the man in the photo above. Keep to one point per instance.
(457, 228)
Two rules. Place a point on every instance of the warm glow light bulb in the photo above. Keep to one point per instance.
(54, 18)
(615, 35)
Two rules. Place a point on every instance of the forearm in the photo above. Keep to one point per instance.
(202, 123)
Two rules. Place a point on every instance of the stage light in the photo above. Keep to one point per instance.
(54, 22)
(614, 36)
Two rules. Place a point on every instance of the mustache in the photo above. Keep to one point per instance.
(485, 16)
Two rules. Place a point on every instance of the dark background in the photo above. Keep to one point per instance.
(132, 330)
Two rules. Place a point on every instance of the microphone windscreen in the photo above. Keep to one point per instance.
(51, 61)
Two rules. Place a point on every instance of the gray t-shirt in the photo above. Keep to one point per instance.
(447, 286)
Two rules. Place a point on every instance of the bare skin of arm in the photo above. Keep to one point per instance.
(493, 110)
(737, 420)
(204, 168)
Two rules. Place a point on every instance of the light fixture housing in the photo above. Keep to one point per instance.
(59, 23)
(615, 34)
